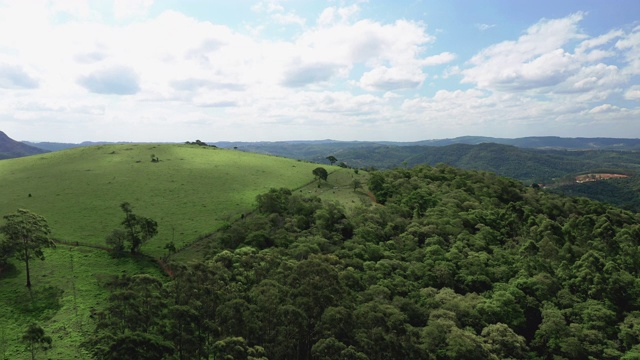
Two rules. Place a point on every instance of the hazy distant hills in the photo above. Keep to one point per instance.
(315, 148)
(10, 148)
(56, 146)
(539, 142)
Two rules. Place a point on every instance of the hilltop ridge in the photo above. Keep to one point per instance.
(10, 148)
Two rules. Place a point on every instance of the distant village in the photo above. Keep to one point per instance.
(597, 177)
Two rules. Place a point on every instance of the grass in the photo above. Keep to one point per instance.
(339, 187)
(191, 192)
(65, 289)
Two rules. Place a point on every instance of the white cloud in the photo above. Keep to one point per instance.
(15, 77)
(484, 27)
(126, 9)
(289, 18)
(386, 79)
(633, 93)
(440, 59)
(536, 59)
(630, 46)
(338, 15)
(269, 6)
(340, 74)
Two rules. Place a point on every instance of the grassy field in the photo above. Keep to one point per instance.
(190, 192)
(66, 287)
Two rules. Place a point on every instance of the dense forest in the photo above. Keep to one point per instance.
(450, 264)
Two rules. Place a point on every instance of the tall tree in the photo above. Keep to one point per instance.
(332, 159)
(27, 234)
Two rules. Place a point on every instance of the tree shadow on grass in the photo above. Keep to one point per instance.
(8, 271)
(40, 302)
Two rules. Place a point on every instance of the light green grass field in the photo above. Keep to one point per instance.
(190, 192)
(66, 287)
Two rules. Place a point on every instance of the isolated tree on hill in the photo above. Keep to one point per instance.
(332, 159)
(35, 340)
(357, 184)
(26, 235)
(139, 229)
(320, 173)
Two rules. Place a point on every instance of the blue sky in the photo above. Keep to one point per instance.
(268, 70)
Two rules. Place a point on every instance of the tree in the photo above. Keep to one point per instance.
(139, 228)
(116, 240)
(27, 234)
(320, 173)
(357, 184)
(332, 159)
(35, 339)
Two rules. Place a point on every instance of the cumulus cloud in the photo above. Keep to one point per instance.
(440, 59)
(339, 70)
(301, 75)
(15, 77)
(633, 93)
(194, 84)
(386, 79)
(117, 80)
(536, 59)
(333, 15)
(542, 61)
(289, 18)
(630, 45)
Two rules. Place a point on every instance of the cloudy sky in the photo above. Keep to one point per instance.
(401, 70)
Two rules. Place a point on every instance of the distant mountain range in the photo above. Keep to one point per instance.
(10, 148)
(307, 147)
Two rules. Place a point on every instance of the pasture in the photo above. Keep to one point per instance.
(190, 192)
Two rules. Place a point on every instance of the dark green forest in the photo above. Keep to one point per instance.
(624, 193)
(449, 264)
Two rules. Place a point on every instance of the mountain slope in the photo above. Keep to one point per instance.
(10, 148)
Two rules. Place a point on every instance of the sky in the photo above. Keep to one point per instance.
(272, 70)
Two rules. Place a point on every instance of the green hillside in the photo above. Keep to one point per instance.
(190, 192)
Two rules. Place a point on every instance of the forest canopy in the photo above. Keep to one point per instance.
(450, 264)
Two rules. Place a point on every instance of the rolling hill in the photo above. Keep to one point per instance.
(190, 192)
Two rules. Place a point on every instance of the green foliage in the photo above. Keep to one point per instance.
(456, 264)
(320, 173)
(25, 236)
(138, 229)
